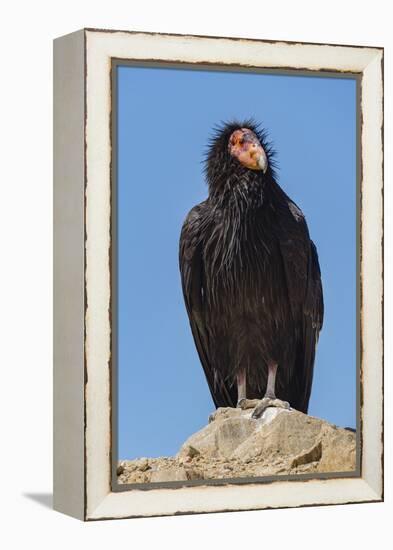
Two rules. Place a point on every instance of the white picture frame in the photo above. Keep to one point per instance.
(83, 412)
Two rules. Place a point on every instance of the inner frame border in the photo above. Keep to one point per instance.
(114, 370)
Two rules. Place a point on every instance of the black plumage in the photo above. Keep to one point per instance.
(251, 279)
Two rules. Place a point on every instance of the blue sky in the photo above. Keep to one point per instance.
(165, 117)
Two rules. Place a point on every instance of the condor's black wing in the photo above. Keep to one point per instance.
(303, 280)
(192, 277)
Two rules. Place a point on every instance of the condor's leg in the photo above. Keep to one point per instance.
(242, 400)
(241, 386)
(269, 399)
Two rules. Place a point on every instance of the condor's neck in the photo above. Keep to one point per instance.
(241, 194)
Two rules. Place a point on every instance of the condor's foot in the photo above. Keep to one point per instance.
(266, 402)
(247, 403)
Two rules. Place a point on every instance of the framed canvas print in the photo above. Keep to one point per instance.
(218, 274)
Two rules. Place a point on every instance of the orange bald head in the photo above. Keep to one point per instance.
(246, 148)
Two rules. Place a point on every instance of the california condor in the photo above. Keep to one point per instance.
(251, 278)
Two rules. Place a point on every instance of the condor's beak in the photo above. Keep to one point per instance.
(262, 161)
(258, 158)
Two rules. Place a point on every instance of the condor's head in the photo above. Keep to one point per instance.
(238, 152)
(245, 146)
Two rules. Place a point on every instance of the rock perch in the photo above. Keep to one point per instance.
(232, 445)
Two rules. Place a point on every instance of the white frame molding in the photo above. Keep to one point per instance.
(82, 375)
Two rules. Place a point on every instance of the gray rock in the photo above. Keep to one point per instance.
(223, 434)
(233, 445)
(143, 464)
(281, 439)
(169, 474)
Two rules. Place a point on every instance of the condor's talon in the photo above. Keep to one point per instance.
(269, 402)
(247, 403)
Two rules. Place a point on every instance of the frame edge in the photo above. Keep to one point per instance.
(107, 506)
(68, 289)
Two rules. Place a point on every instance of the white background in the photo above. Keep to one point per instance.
(26, 273)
